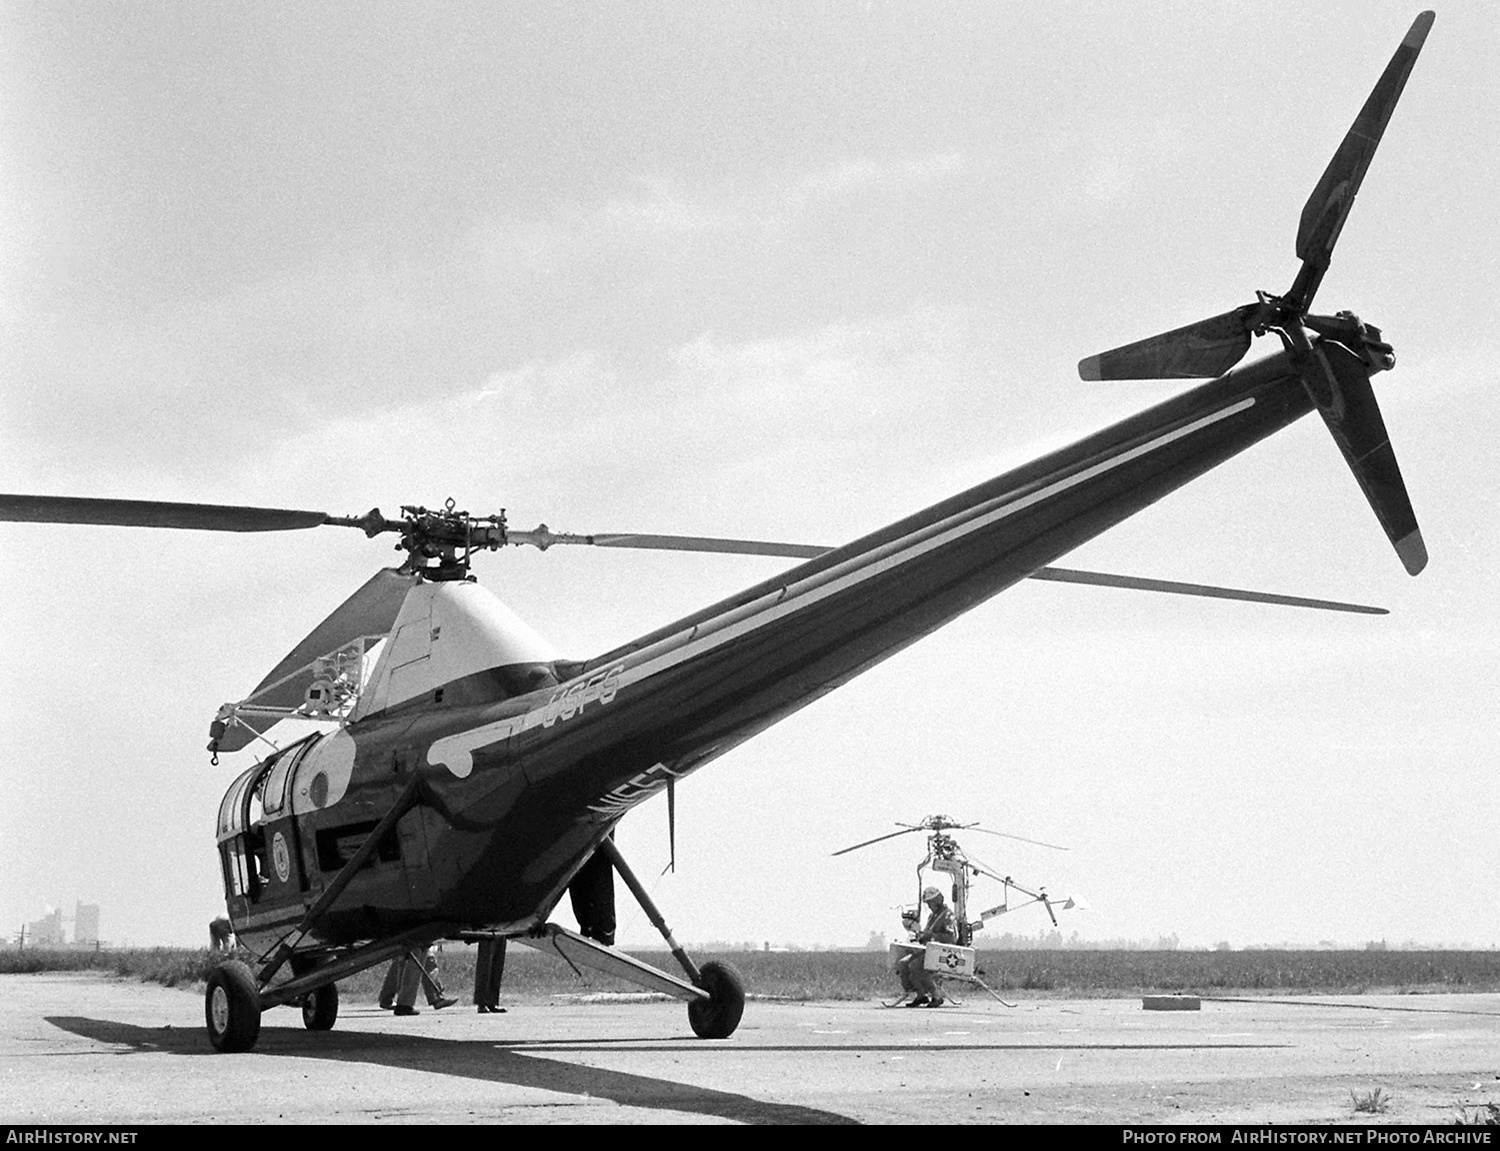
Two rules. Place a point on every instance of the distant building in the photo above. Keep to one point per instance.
(86, 924)
(47, 931)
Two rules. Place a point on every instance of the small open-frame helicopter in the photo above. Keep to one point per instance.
(472, 776)
(946, 857)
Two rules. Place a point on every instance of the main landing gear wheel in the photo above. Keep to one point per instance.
(231, 1007)
(718, 1016)
(320, 1008)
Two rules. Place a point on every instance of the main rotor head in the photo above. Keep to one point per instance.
(936, 825)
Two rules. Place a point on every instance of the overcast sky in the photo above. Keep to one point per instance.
(773, 270)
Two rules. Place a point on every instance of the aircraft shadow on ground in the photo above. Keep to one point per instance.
(480, 1059)
(904, 1048)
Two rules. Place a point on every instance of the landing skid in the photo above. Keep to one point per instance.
(948, 997)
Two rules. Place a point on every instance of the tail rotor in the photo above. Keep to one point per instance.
(1336, 366)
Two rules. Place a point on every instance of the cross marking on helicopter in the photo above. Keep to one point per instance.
(473, 777)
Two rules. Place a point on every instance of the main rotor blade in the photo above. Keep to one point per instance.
(155, 514)
(1328, 207)
(1021, 838)
(1136, 583)
(878, 839)
(708, 544)
(1207, 348)
(543, 538)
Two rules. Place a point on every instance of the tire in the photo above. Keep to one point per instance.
(320, 1008)
(718, 1016)
(231, 1007)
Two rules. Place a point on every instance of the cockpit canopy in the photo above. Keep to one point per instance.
(261, 792)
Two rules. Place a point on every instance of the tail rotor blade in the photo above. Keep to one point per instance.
(1205, 349)
(1340, 385)
(1328, 207)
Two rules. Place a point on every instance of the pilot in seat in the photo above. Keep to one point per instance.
(916, 980)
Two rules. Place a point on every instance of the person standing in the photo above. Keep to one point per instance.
(408, 974)
(592, 892)
(489, 970)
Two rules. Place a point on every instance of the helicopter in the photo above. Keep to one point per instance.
(945, 856)
(471, 775)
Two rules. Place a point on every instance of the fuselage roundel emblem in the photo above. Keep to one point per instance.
(280, 857)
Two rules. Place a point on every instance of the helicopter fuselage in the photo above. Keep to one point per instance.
(526, 761)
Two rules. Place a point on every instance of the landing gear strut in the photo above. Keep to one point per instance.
(717, 1015)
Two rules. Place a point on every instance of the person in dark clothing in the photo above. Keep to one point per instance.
(593, 894)
(915, 979)
(489, 970)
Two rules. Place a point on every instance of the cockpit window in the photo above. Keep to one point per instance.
(274, 791)
(232, 809)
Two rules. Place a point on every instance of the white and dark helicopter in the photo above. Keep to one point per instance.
(473, 775)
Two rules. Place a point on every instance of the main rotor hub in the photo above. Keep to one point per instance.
(440, 543)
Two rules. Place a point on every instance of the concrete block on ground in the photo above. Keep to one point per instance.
(1172, 1003)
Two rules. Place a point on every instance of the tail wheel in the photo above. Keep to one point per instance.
(717, 1016)
(320, 1008)
(231, 1007)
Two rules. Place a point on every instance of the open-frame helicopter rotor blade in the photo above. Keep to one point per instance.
(878, 839)
(166, 514)
(1210, 591)
(1018, 838)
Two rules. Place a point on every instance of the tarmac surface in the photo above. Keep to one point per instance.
(80, 1048)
